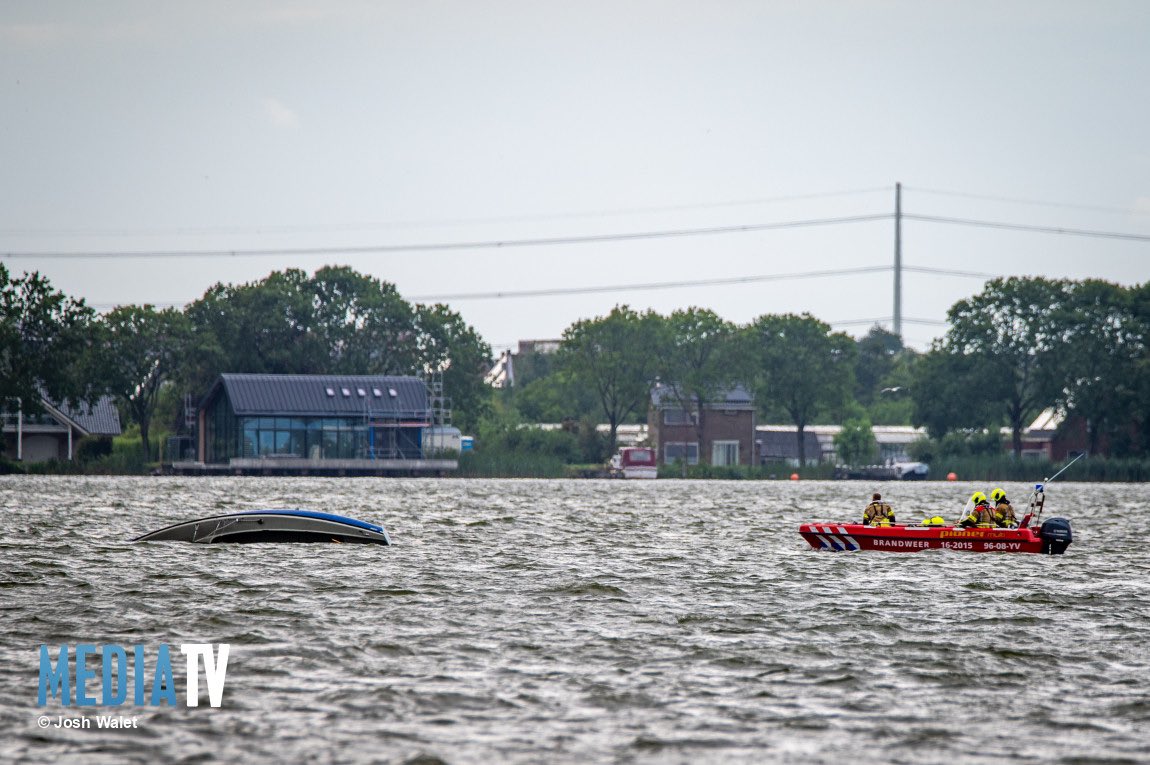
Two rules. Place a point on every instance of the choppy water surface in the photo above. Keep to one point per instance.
(583, 621)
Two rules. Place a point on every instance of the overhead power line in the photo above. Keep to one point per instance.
(446, 246)
(442, 222)
(595, 289)
(1016, 200)
(550, 292)
(885, 320)
(1026, 227)
(950, 272)
(562, 240)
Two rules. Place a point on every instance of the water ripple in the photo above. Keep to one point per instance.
(582, 621)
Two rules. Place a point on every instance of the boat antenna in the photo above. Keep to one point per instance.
(1064, 467)
(1038, 497)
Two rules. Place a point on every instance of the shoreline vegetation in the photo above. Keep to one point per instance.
(127, 458)
(1074, 355)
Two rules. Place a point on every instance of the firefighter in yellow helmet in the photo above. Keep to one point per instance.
(878, 513)
(981, 516)
(1004, 516)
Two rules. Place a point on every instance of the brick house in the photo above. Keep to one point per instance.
(728, 428)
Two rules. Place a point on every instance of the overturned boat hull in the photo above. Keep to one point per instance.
(271, 526)
(1053, 537)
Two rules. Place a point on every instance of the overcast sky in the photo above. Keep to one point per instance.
(234, 126)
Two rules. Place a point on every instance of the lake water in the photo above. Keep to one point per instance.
(581, 621)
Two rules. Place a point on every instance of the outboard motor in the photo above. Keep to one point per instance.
(1056, 536)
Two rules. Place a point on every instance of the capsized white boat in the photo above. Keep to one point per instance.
(271, 526)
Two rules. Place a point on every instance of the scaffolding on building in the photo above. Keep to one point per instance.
(383, 431)
(440, 436)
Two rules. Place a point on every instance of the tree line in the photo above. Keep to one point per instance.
(1015, 349)
(795, 366)
(1023, 345)
(336, 321)
(1018, 347)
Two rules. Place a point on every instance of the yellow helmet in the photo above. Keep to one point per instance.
(977, 497)
(997, 494)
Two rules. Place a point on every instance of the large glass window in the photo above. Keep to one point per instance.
(678, 417)
(673, 452)
(305, 437)
(314, 440)
(330, 443)
(250, 440)
(346, 448)
(725, 453)
(297, 444)
(222, 435)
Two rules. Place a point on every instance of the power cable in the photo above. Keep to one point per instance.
(590, 290)
(445, 246)
(551, 292)
(565, 240)
(948, 272)
(885, 319)
(1025, 227)
(1015, 200)
(366, 226)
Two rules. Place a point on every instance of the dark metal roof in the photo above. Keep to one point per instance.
(784, 445)
(99, 419)
(324, 395)
(735, 397)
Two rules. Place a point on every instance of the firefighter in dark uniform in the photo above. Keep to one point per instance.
(1003, 511)
(878, 513)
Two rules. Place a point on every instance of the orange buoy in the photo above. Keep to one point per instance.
(951, 477)
(794, 476)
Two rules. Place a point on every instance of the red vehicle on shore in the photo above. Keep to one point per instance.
(1052, 537)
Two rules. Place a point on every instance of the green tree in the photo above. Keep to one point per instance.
(335, 322)
(43, 335)
(855, 443)
(447, 344)
(362, 326)
(616, 356)
(876, 357)
(1138, 403)
(894, 405)
(699, 360)
(801, 367)
(261, 327)
(137, 351)
(1010, 332)
(950, 391)
(555, 397)
(1097, 358)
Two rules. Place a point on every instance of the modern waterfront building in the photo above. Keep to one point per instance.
(341, 424)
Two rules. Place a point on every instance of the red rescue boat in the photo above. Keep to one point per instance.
(1052, 537)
